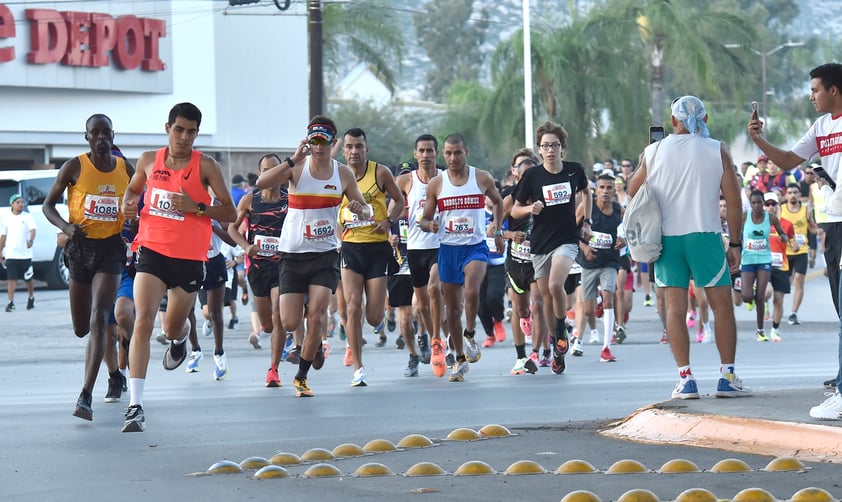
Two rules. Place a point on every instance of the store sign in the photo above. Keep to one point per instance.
(79, 42)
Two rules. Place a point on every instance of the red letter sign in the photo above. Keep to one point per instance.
(48, 36)
(153, 29)
(103, 38)
(7, 30)
(79, 35)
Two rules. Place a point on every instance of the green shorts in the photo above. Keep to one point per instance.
(698, 256)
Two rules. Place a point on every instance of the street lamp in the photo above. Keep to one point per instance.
(763, 56)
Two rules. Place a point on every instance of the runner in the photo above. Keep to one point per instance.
(400, 293)
(781, 268)
(795, 211)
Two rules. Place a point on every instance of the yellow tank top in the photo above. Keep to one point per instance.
(94, 201)
(799, 223)
(819, 211)
(362, 231)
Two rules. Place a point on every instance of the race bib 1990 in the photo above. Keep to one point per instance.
(267, 245)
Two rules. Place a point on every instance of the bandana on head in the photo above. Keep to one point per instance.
(323, 131)
(690, 111)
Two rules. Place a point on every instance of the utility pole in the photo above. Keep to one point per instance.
(317, 84)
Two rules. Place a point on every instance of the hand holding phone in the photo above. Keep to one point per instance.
(754, 114)
(821, 173)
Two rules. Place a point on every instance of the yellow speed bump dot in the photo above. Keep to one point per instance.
(225, 467)
(696, 495)
(678, 466)
(525, 467)
(463, 434)
(474, 468)
(348, 450)
(576, 467)
(581, 496)
(254, 463)
(379, 446)
(284, 458)
(626, 466)
(785, 464)
(373, 469)
(754, 495)
(321, 471)
(813, 494)
(638, 495)
(494, 431)
(415, 441)
(730, 465)
(425, 469)
(271, 472)
(317, 455)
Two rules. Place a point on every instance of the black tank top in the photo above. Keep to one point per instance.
(265, 221)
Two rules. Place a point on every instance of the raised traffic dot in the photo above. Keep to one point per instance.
(638, 495)
(425, 469)
(785, 464)
(576, 466)
(730, 465)
(812, 494)
(415, 441)
(525, 467)
(321, 470)
(271, 472)
(696, 495)
(379, 446)
(225, 467)
(463, 434)
(348, 450)
(317, 455)
(678, 466)
(285, 458)
(254, 463)
(474, 468)
(494, 430)
(626, 466)
(754, 495)
(581, 496)
(373, 469)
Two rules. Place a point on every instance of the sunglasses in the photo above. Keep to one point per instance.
(770, 203)
(318, 142)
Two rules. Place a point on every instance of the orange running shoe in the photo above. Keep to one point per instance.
(349, 359)
(437, 357)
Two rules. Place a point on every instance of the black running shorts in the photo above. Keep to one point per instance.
(174, 272)
(87, 257)
(300, 270)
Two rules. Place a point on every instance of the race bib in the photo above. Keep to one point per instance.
(403, 230)
(353, 221)
(757, 245)
(801, 239)
(521, 250)
(460, 225)
(777, 259)
(558, 193)
(316, 230)
(267, 245)
(601, 240)
(101, 207)
(161, 205)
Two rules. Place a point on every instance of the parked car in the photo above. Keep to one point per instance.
(33, 185)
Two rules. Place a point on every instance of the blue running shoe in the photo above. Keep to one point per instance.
(686, 390)
(289, 343)
(732, 388)
(193, 361)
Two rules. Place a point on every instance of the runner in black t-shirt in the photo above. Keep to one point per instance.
(549, 193)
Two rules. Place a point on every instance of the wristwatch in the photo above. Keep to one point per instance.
(589, 221)
(201, 208)
(390, 220)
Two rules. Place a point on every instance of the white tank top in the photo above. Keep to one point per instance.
(416, 197)
(312, 216)
(462, 211)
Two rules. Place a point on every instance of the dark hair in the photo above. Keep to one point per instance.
(321, 119)
(794, 185)
(356, 132)
(252, 177)
(550, 127)
(830, 75)
(266, 156)
(427, 137)
(525, 152)
(455, 139)
(98, 116)
(185, 110)
(755, 193)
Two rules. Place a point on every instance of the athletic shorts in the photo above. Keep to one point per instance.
(543, 262)
(298, 271)
(453, 259)
(126, 290)
(753, 268)
(421, 262)
(174, 272)
(643, 267)
(18, 269)
(780, 281)
(371, 259)
(572, 282)
(216, 274)
(699, 256)
(400, 290)
(264, 277)
(520, 276)
(798, 263)
(87, 257)
(594, 278)
(226, 299)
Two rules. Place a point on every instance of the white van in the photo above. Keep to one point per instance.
(47, 261)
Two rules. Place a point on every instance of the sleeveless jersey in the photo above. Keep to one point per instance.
(311, 221)
(362, 231)
(265, 221)
(166, 230)
(94, 201)
(799, 223)
(517, 251)
(416, 198)
(756, 241)
(603, 239)
(462, 210)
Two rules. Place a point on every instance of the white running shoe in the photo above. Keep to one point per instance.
(830, 409)
(359, 378)
(594, 337)
(221, 370)
(207, 328)
(472, 353)
(254, 340)
(577, 347)
(193, 361)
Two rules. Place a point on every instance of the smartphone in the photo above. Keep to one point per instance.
(821, 173)
(754, 109)
(656, 133)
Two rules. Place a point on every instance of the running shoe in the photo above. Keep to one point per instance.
(411, 368)
(390, 321)
(359, 378)
(793, 319)
(424, 348)
(577, 347)
(450, 359)
(499, 331)
(648, 302)
(319, 357)
(30, 304)
(686, 390)
(558, 365)
(545, 361)
(400, 343)
(830, 384)
(750, 305)
(488, 342)
(381, 341)
(162, 338)
(377, 329)
(301, 388)
(174, 355)
(530, 366)
(10, 307)
(349, 358)
(700, 336)
(621, 334)
(83, 406)
(526, 326)
(606, 356)
(135, 421)
(707, 334)
(761, 336)
(207, 328)
(472, 353)
(594, 338)
(233, 322)
(294, 356)
(272, 378)
(437, 359)
(115, 390)
(326, 348)
(775, 335)
(342, 335)
(533, 356)
(691, 319)
(664, 338)
(193, 361)
(220, 370)
(560, 347)
(254, 340)
(459, 370)
(732, 387)
(289, 344)
(520, 366)
(830, 409)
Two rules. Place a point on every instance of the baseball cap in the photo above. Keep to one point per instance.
(770, 196)
(321, 131)
(763, 158)
(13, 198)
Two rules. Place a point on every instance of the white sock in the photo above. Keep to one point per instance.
(607, 327)
(136, 391)
(123, 371)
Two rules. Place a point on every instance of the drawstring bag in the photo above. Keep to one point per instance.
(642, 222)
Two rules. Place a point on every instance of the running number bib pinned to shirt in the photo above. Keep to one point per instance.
(757, 244)
(777, 259)
(161, 205)
(600, 240)
(558, 193)
(316, 230)
(352, 220)
(102, 207)
(459, 225)
(521, 250)
(267, 245)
